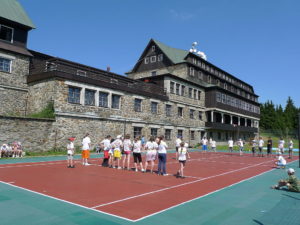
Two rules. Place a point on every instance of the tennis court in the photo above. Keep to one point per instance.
(111, 196)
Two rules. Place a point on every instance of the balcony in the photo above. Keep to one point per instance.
(229, 127)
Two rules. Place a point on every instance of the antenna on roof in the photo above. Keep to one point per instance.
(199, 53)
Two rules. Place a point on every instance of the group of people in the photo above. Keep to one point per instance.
(117, 153)
(257, 146)
(13, 150)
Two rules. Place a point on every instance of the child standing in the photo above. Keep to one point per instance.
(105, 145)
(137, 156)
(260, 147)
(162, 156)
(281, 146)
(230, 145)
(182, 152)
(127, 146)
(70, 152)
(253, 144)
(291, 146)
(269, 146)
(151, 148)
(240, 143)
(117, 145)
(86, 145)
(214, 146)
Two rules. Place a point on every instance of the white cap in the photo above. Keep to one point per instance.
(119, 136)
(291, 170)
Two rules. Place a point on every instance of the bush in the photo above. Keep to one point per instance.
(47, 112)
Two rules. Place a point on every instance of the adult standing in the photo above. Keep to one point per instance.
(269, 146)
(162, 156)
(86, 146)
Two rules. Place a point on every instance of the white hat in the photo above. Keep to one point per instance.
(119, 136)
(291, 170)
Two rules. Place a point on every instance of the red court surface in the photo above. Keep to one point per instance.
(134, 195)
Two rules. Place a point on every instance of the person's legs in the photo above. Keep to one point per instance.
(164, 163)
(159, 164)
(128, 161)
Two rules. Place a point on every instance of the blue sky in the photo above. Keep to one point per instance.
(254, 40)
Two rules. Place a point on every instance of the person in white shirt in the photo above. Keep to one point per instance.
(204, 144)
(253, 144)
(230, 145)
(182, 153)
(281, 162)
(260, 147)
(281, 143)
(86, 146)
(291, 146)
(137, 156)
(240, 143)
(177, 144)
(70, 152)
(117, 145)
(151, 148)
(214, 146)
(162, 156)
(209, 144)
(127, 146)
(3, 150)
(105, 145)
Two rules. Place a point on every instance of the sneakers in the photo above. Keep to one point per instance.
(165, 174)
(136, 170)
(119, 168)
(87, 164)
(143, 171)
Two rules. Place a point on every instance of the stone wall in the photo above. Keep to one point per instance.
(32, 133)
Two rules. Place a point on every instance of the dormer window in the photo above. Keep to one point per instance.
(81, 73)
(146, 60)
(153, 59)
(160, 57)
(191, 71)
(153, 48)
(6, 33)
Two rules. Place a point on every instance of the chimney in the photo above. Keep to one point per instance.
(108, 68)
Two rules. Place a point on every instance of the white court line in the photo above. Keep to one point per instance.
(175, 186)
(210, 193)
(72, 203)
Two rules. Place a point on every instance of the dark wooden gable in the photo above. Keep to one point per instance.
(151, 54)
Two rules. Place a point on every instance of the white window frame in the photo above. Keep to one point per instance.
(10, 64)
(160, 57)
(153, 59)
(81, 73)
(146, 60)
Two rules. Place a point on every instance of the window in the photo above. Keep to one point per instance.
(81, 73)
(195, 94)
(50, 66)
(218, 82)
(218, 97)
(6, 33)
(5, 65)
(137, 105)
(153, 73)
(89, 97)
(160, 57)
(153, 59)
(194, 60)
(192, 135)
(209, 79)
(191, 71)
(192, 113)
(180, 133)
(103, 99)
(180, 112)
(199, 95)
(137, 132)
(182, 90)
(153, 48)
(172, 87)
(225, 86)
(200, 75)
(168, 134)
(74, 95)
(115, 101)
(146, 60)
(154, 107)
(200, 115)
(190, 92)
(154, 132)
(168, 110)
(177, 89)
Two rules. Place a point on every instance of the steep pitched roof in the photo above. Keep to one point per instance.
(174, 54)
(12, 10)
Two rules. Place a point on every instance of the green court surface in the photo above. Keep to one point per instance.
(248, 202)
